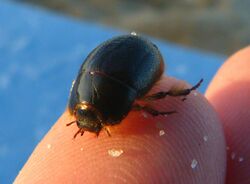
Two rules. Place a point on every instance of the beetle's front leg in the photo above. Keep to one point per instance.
(172, 92)
(150, 110)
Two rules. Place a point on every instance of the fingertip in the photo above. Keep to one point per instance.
(142, 149)
(229, 93)
(235, 69)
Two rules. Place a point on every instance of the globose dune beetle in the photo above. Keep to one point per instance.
(113, 76)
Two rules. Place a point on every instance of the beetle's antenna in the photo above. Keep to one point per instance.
(71, 123)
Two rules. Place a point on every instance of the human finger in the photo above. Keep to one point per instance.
(229, 92)
(186, 147)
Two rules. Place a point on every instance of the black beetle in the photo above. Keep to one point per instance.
(114, 75)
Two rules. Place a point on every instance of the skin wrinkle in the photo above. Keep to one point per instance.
(138, 174)
(155, 163)
(136, 163)
(177, 161)
(192, 128)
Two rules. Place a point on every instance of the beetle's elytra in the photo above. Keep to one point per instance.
(114, 75)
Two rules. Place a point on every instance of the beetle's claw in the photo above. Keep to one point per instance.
(80, 130)
(197, 85)
(97, 134)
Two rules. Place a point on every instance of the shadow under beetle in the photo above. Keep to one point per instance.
(114, 75)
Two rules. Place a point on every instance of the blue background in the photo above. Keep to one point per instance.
(40, 53)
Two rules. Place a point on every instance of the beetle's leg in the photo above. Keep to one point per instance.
(173, 92)
(150, 110)
(80, 130)
(71, 123)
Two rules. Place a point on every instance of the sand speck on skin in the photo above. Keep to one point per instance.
(115, 152)
(48, 146)
(194, 164)
(233, 155)
(205, 138)
(144, 114)
(241, 159)
(195, 93)
(161, 132)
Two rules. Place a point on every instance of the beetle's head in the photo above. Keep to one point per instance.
(88, 118)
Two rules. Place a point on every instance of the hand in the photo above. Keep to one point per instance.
(192, 150)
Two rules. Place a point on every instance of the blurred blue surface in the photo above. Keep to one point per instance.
(40, 53)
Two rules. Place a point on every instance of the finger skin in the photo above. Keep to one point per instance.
(147, 157)
(229, 93)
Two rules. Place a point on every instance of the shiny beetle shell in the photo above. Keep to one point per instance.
(112, 77)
